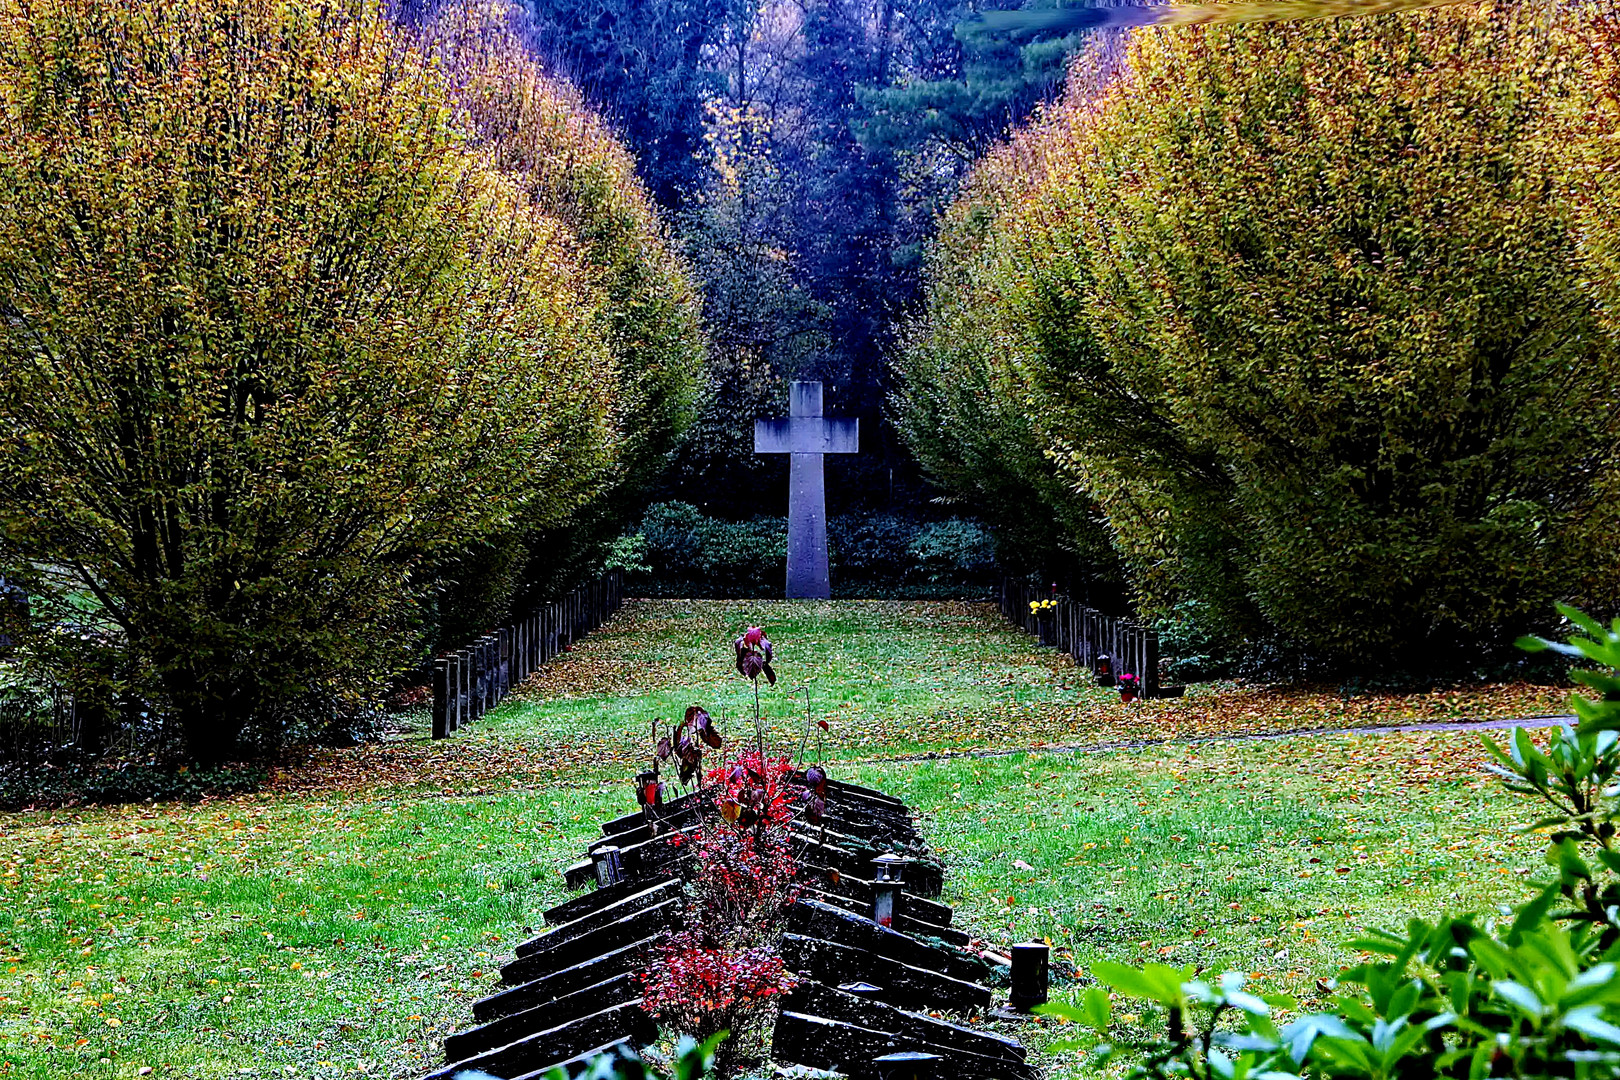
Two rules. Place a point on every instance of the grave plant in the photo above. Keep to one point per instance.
(720, 975)
(1536, 993)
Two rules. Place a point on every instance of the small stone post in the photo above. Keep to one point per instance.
(503, 648)
(463, 693)
(441, 697)
(491, 654)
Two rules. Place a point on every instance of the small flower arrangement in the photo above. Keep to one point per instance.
(1043, 609)
(1130, 687)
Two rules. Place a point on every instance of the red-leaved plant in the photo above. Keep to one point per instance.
(722, 971)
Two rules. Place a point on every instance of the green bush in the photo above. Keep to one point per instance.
(571, 167)
(1332, 365)
(965, 421)
(273, 343)
(870, 548)
(954, 550)
(1409, 468)
(689, 555)
(81, 780)
(680, 552)
(1538, 995)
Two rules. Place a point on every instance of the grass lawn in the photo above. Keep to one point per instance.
(340, 923)
(1260, 856)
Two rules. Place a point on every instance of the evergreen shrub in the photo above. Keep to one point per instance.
(679, 552)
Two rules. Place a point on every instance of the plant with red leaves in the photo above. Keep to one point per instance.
(754, 654)
(722, 971)
(702, 990)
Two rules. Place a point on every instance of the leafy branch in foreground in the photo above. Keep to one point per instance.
(1578, 777)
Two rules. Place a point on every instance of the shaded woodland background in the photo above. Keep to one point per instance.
(802, 152)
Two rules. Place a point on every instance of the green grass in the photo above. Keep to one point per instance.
(891, 677)
(289, 938)
(341, 923)
(1259, 857)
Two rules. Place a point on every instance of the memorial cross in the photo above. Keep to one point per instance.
(806, 435)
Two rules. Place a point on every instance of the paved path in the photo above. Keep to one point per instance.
(1143, 744)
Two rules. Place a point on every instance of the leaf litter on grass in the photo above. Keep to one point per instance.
(1257, 856)
(889, 677)
(365, 862)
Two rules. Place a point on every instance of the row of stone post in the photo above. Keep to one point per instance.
(1106, 644)
(470, 681)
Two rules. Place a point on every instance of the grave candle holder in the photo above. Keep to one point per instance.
(649, 792)
(1104, 671)
(609, 866)
(1030, 975)
(887, 885)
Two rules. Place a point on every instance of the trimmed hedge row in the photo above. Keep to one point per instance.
(677, 551)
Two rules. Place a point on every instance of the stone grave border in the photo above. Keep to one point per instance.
(877, 956)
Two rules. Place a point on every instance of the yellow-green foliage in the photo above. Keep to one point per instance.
(269, 337)
(1589, 134)
(536, 129)
(956, 404)
(1303, 309)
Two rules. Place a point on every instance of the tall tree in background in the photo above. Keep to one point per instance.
(647, 66)
(808, 147)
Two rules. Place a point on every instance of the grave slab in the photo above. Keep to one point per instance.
(545, 1048)
(591, 999)
(619, 962)
(604, 939)
(897, 983)
(618, 909)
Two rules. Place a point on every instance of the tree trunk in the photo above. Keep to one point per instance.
(211, 716)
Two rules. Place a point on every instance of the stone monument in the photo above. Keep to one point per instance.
(806, 435)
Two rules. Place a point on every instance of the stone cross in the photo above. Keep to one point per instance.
(806, 435)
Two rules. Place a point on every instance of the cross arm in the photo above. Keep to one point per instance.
(807, 435)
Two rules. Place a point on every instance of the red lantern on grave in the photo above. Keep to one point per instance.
(1103, 670)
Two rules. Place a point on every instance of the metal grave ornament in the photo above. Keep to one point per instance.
(806, 435)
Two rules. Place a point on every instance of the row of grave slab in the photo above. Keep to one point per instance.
(878, 960)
